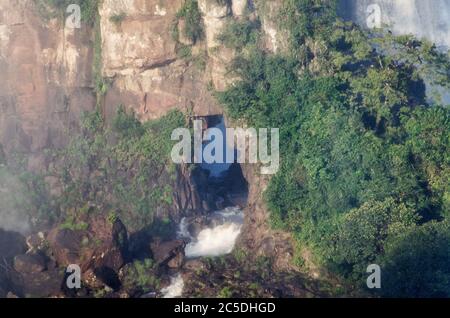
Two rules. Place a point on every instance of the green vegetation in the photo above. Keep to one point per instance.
(225, 292)
(125, 168)
(193, 25)
(71, 224)
(237, 34)
(184, 52)
(24, 196)
(365, 158)
(57, 8)
(118, 18)
(142, 275)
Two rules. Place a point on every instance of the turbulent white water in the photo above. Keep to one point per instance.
(218, 239)
(423, 18)
(175, 289)
(214, 242)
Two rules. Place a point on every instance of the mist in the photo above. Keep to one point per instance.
(13, 200)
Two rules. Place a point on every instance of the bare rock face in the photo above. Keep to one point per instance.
(257, 235)
(186, 196)
(45, 79)
(214, 19)
(239, 7)
(140, 59)
(275, 38)
(65, 245)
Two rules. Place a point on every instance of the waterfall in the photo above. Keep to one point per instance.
(175, 289)
(219, 238)
(217, 169)
(428, 19)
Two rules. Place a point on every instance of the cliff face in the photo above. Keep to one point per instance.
(257, 235)
(46, 69)
(140, 59)
(45, 80)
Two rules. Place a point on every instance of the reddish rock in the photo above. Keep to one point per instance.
(100, 251)
(169, 253)
(29, 263)
(65, 245)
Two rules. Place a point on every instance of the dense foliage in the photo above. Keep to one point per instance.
(121, 170)
(193, 23)
(365, 172)
(126, 168)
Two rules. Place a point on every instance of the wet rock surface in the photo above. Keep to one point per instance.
(168, 253)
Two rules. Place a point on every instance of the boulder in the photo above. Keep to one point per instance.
(66, 245)
(169, 253)
(100, 250)
(29, 263)
(11, 244)
(42, 284)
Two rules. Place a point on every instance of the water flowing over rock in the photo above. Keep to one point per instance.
(175, 289)
(216, 239)
(429, 19)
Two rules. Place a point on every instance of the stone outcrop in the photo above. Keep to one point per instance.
(46, 68)
(30, 263)
(169, 253)
(100, 249)
(140, 59)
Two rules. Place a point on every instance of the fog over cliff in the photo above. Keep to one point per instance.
(424, 18)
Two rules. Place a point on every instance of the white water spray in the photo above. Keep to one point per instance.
(175, 289)
(212, 241)
(217, 240)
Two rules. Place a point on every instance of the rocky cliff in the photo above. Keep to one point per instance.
(45, 80)
(46, 68)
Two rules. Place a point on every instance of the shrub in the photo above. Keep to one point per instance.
(118, 18)
(237, 34)
(193, 23)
